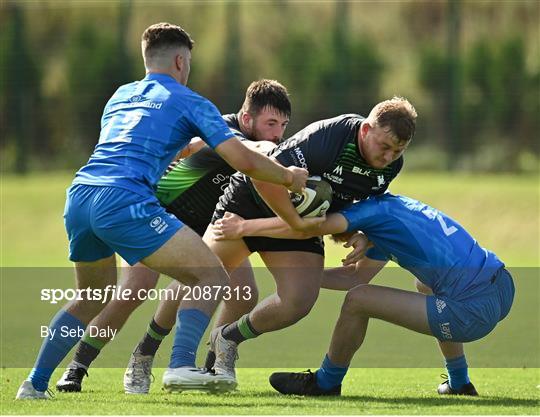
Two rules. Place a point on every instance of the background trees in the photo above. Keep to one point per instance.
(471, 70)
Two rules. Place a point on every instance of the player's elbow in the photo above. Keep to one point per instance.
(250, 169)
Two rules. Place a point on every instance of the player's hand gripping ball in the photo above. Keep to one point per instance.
(315, 200)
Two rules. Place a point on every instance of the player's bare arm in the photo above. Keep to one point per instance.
(194, 146)
(232, 226)
(260, 167)
(347, 277)
(279, 200)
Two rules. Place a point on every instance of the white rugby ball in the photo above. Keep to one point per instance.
(315, 200)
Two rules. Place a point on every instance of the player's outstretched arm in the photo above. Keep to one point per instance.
(232, 226)
(347, 277)
(260, 167)
(278, 199)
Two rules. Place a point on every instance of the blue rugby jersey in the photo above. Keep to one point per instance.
(432, 246)
(144, 125)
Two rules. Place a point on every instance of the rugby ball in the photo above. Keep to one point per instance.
(315, 200)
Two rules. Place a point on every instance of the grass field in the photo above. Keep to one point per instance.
(501, 211)
(396, 372)
(371, 391)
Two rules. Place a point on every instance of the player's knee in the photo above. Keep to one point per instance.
(215, 277)
(421, 288)
(355, 299)
(126, 306)
(299, 305)
(249, 301)
(241, 307)
(84, 309)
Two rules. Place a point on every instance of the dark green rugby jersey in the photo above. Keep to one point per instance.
(192, 186)
(329, 148)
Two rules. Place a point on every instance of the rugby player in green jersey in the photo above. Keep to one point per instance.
(359, 157)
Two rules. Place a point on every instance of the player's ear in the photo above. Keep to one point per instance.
(366, 125)
(179, 62)
(247, 120)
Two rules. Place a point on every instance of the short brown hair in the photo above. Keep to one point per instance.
(164, 35)
(396, 115)
(267, 93)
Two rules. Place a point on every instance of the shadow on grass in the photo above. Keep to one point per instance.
(265, 399)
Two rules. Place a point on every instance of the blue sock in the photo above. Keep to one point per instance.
(457, 372)
(330, 375)
(53, 351)
(190, 328)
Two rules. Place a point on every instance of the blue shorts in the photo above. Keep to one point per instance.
(471, 318)
(103, 220)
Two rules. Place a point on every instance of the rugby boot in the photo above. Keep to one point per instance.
(71, 380)
(138, 375)
(226, 352)
(28, 392)
(467, 389)
(300, 383)
(196, 379)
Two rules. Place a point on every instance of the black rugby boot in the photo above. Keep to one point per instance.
(467, 389)
(71, 380)
(300, 383)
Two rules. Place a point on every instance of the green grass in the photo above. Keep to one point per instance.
(501, 211)
(367, 391)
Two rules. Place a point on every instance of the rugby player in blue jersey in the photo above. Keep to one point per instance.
(111, 206)
(471, 289)
(190, 190)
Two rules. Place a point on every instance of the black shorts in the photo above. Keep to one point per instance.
(198, 226)
(240, 198)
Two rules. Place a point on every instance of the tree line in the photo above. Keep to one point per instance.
(477, 95)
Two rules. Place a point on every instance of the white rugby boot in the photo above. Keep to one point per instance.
(226, 355)
(196, 379)
(138, 375)
(28, 392)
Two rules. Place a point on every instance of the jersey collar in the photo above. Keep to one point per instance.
(160, 77)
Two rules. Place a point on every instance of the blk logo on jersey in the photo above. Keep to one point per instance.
(361, 171)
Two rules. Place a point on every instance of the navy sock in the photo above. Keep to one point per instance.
(457, 372)
(88, 350)
(190, 328)
(149, 344)
(330, 375)
(240, 330)
(53, 351)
